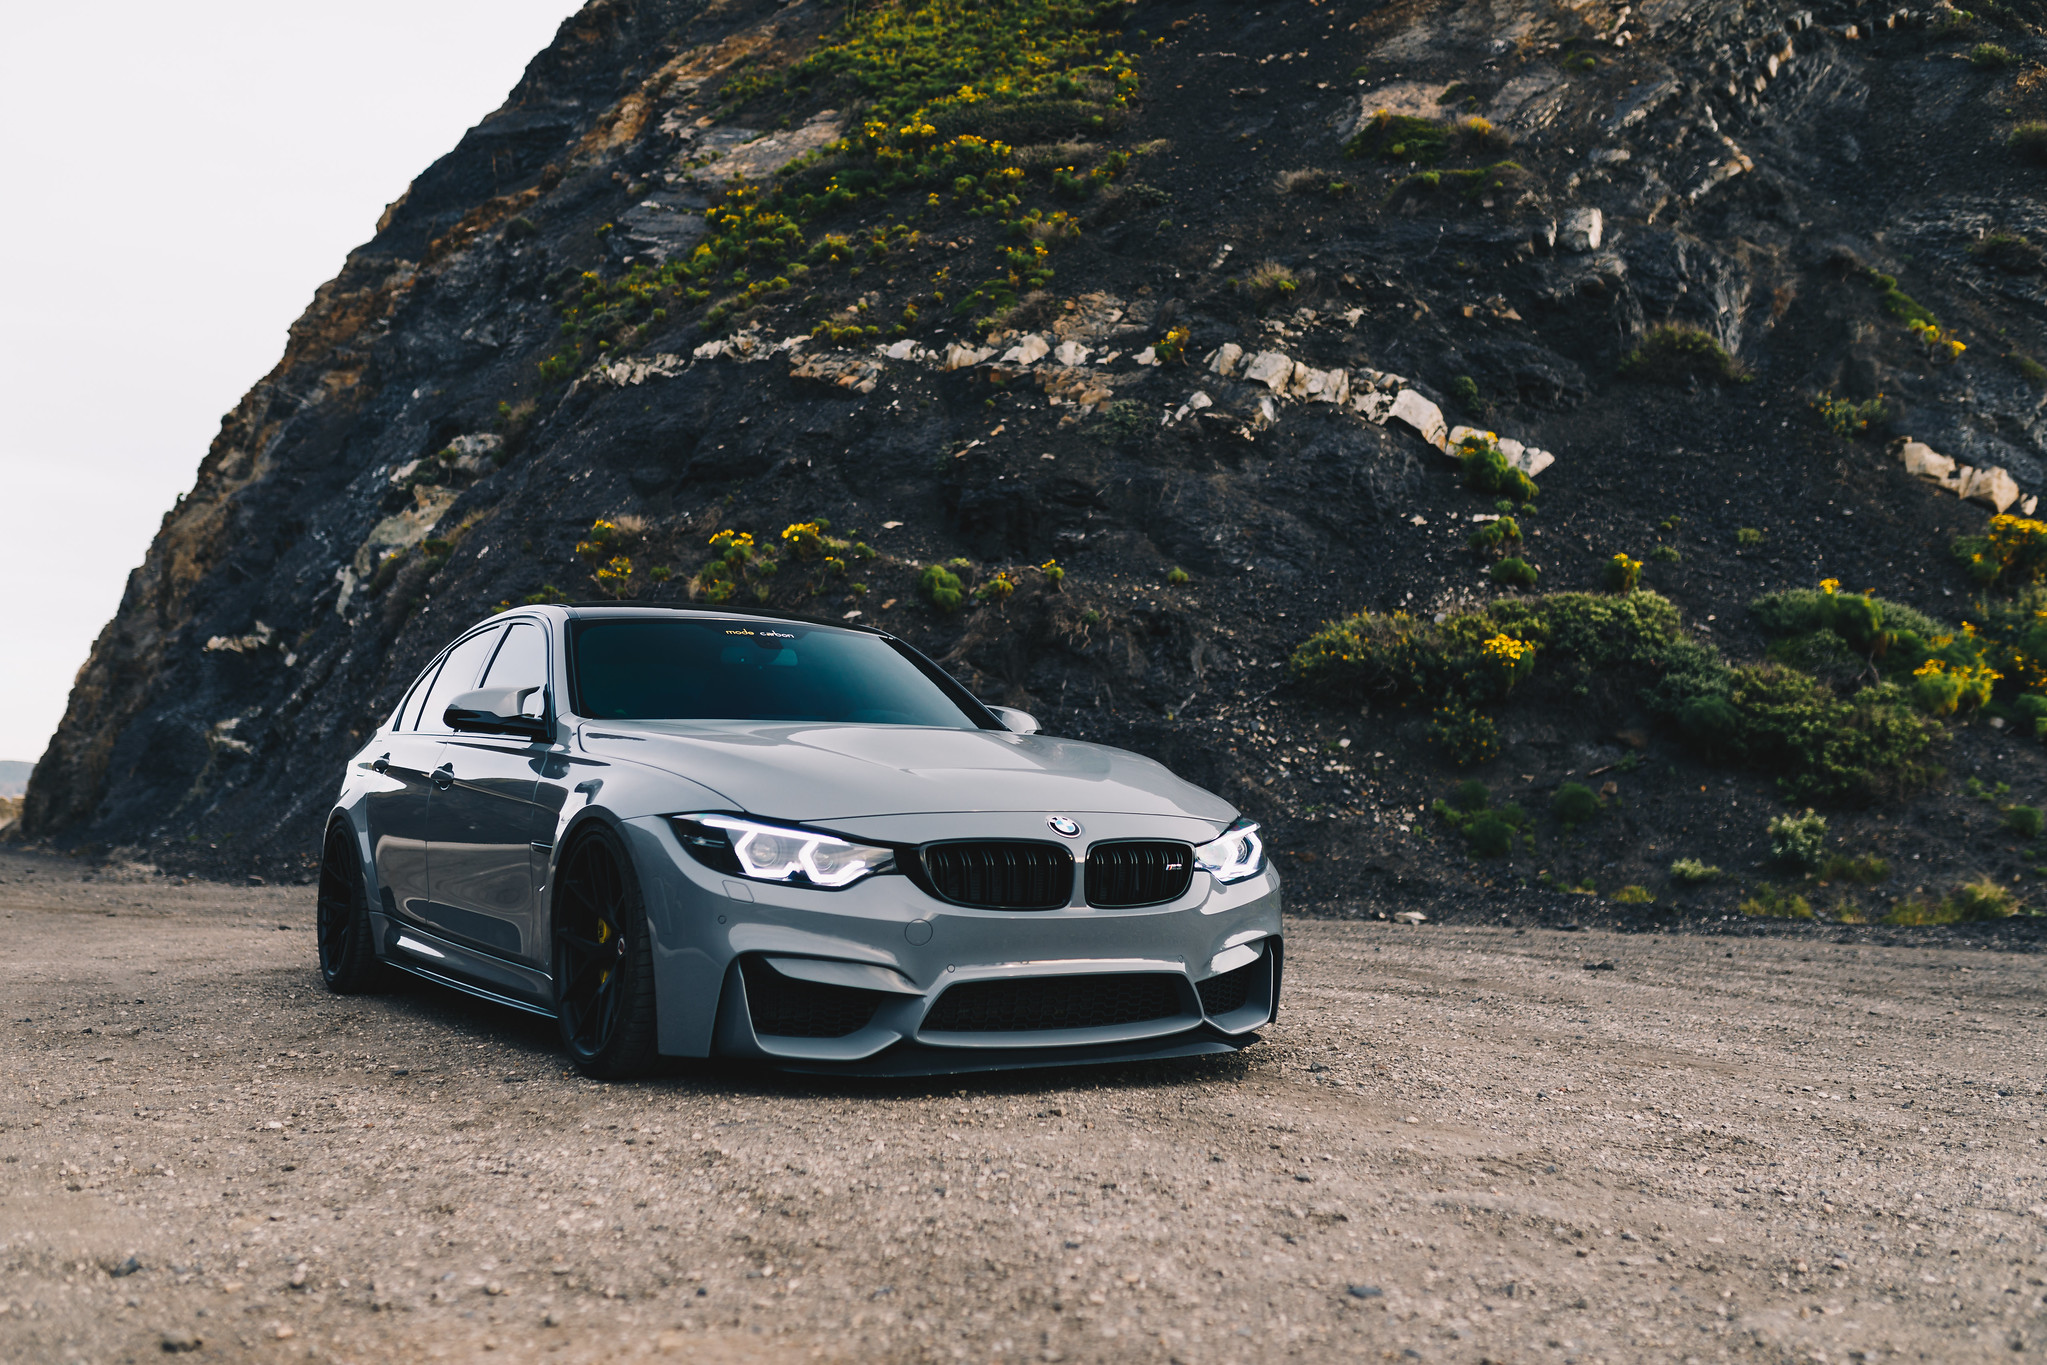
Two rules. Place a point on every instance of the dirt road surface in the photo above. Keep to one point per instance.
(1458, 1145)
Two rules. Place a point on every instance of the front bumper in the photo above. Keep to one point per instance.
(862, 979)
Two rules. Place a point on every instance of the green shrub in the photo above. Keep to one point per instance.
(2012, 551)
(2031, 370)
(1676, 354)
(1972, 902)
(1992, 57)
(1178, 577)
(1622, 574)
(1387, 136)
(1465, 734)
(1399, 657)
(2025, 821)
(1866, 870)
(1487, 470)
(1489, 833)
(1692, 872)
(1515, 572)
(1846, 417)
(1897, 302)
(1865, 622)
(1799, 840)
(2009, 252)
(1866, 747)
(1574, 803)
(1748, 537)
(1665, 554)
(2030, 710)
(1770, 902)
(1493, 536)
(1464, 392)
(942, 588)
(1634, 895)
(549, 595)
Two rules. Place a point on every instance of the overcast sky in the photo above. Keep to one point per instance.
(180, 178)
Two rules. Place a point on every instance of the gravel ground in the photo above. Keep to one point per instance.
(1461, 1144)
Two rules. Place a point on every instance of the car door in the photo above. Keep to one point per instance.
(483, 820)
(415, 763)
(395, 807)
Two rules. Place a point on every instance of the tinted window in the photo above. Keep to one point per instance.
(521, 660)
(458, 675)
(752, 670)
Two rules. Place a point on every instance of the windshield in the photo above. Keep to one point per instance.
(754, 670)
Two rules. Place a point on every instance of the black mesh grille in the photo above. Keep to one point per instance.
(998, 876)
(785, 1008)
(1138, 874)
(1221, 994)
(1021, 1006)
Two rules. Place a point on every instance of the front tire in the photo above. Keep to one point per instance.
(348, 957)
(603, 960)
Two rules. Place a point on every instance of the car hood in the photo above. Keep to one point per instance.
(808, 771)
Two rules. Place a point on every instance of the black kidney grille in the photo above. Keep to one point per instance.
(1221, 994)
(786, 1008)
(1050, 1002)
(1001, 876)
(1138, 874)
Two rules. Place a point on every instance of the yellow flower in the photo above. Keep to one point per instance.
(1829, 585)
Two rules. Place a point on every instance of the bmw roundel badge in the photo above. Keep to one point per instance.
(1061, 825)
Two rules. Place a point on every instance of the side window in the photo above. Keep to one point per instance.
(458, 675)
(522, 658)
(407, 713)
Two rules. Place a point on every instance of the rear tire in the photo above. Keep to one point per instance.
(603, 960)
(348, 957)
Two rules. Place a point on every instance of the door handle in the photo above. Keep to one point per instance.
(444, 776)
(382, 763)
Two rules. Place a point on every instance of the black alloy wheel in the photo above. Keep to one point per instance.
(348, 959)
(603, 962)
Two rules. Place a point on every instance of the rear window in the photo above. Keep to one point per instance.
(756, 671)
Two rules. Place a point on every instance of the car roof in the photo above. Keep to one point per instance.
(651, 611)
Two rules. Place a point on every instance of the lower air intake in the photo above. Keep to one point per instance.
(1222, 994)
(785, 1008)
(1054, 1002)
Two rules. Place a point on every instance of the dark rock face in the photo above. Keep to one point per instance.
(409, 465)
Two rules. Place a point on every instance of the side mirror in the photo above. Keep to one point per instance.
(501, 711)
(1015, 721)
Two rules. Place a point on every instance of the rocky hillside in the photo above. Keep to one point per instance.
(1106, 351)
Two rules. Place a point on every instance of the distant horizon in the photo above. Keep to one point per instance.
(275, 136)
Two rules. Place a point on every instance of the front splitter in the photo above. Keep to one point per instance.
(917, 1059)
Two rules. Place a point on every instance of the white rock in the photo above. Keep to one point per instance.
(1532, 462)
(960, 356)
(1924, 461)
(1147, 356)
(1374, 406)
(1273, 369)
(1320, 386)
(1583, 231)
(1029, 351)
(1223, 359)
(1268, 412)
(1990, 486)
(1425, 417)
(1071, 353)
(710, 350)
(900, 350)
(1457, 435)
(2028, 505)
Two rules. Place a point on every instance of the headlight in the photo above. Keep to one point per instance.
(778, 853)
(1240, 853)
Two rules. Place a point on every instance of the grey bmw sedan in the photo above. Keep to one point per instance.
(696, 833)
